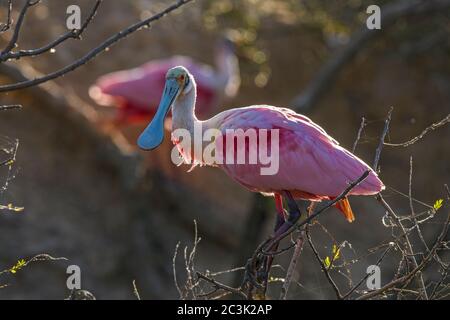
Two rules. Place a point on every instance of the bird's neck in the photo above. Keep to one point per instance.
(184, 119)
(183, 112)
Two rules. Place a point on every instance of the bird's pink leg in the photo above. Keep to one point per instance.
(281, 218)
(294, 215)
(282, 224)
(279, 205)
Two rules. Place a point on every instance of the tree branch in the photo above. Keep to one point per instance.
(432, 127)
(290, 272)
(323, 267)
(73, 34)
(382, 137)
(417, 269)
(358, 136)
(222, 286)
(5, 27)
(12, 42)
(10, 107)
(96, 51)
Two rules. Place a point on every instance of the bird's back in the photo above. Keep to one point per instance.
(311, 164)
(140, 88)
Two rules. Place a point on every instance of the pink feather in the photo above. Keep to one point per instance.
(312, 165)
(137, 91)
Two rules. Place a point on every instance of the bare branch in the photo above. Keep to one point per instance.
(174, 270)
(417, 269)
(358, 136)
(290, 272)
(382, 137)
(435, 289)
(5, 27)
(74, 34)
(12, 42)
(136, 291)
(432, 127)
(222, 286)
(36, 258)
(10, 107)
(408, 247)
(323, 267)
(96, 51)
(397, 221)
(348, 294)
(411, 206)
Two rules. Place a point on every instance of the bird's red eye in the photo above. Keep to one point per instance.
(182, 77)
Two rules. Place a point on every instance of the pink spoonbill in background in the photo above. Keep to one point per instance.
(136, 92)
(312, 165)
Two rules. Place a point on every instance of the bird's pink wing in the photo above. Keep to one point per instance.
(310, 161)
(139, 87)
(142, 87)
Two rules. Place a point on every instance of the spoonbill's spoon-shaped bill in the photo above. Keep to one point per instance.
(153, 135)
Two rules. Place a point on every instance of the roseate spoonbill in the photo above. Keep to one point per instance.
(312, 165)
(135, 92)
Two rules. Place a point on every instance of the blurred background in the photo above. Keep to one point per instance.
(89, 195)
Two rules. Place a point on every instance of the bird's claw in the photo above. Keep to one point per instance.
(251, 274)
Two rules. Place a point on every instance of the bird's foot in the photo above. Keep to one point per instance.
(251, 280)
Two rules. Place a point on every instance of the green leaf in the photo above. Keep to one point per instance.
(19, 265)
(438, 204)
(327, 262)
(336, 252)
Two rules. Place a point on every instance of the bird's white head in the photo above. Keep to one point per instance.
(182, 77)
(179, 82)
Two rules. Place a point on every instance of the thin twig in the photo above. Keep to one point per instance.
(408, 246)
(191, 283)
(96, 51)
(382, 137)
(222, 286)
(290, 272)
(5, 27)
(10, 107)
(345, 296)
(12, 42)
(411, 206)
(174, 270)
(358, 136)
(412, 198)
(36, 258)
(393, 215)
(7, 161)
(322, 266)
(417, 269)
(136, 291)
(432, 127)
(218, 273)
(72, 34)
(444, 276)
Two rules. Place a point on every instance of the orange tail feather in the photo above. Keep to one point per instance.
(344, 206)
